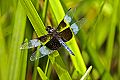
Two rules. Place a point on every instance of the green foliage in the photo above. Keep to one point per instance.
(98, 40)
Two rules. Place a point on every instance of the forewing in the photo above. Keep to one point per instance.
(79, 23)
(31, 44)
(53, 44)
(61, 25)
(43, 51)
(69, 15)
(44, 38)
(67, 18)
(66, 34)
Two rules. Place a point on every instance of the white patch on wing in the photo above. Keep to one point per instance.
(68, 18)
(79, 23)
(43, 50)
(35, 42)
(75, 28)
(31, 44)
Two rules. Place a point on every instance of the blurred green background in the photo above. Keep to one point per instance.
(97, 44)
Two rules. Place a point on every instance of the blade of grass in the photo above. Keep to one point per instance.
(92, 52)
(49, 70)
(77, 59)
(119, 47)
(36, 4)
(102, 25)
(3, 56)
(46, 69)
(111, 36)
(96, 61)
(84, 77)
(59, 66)
(41, 73)
(24, 63)
(36, 65)
(34, 17)
(57, 9)
(17, 38)
(45, 10)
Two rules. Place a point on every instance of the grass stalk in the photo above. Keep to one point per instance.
(17, 38)
(110, 42)
(77, 60)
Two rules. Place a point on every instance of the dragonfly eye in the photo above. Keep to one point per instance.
(49, 29)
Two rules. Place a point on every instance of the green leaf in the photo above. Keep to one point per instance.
(23, 63)
(41, 73)
(3, 56)
(34, 17)
(111, 36)
(59, 66)
(57, 9)
(77, 59)
(84, 77)
(17, 39)
(36, 65)
(45, 10)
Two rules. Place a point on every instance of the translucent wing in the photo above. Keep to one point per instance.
(69, 18)
(65, 46)
(79, 23)
(43, 52)
(69, 15)
(31, 44)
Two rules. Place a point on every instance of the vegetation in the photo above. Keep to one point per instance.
(96, 46)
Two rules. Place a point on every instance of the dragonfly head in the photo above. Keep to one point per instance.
(49, 29)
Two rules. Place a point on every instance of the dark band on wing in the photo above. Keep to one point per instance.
(66, 35)
(44, 38)
(53, 44)
(61, 25)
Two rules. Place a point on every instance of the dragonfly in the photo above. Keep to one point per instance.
(56, 36)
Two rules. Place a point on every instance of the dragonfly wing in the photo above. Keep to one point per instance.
(61, 25)
(67, 18)
(65, 46)
(53, 44)
(31, 44)
(66, 34)
(75, 25)
(43, 52)
(69, 15)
